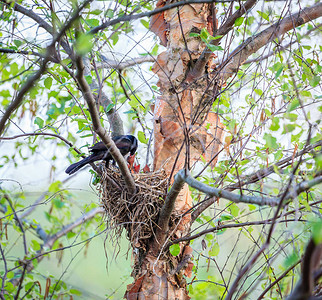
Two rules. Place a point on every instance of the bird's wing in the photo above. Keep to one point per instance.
(98, 147)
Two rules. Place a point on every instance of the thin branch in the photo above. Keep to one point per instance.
(159, 10)
(68, 228)
(24, 89)
(238, 225)
(114, 118)
(114, 64)
(51, 51)
(199, 67)
(221, 193)
(4, 274)
(281, 48)
(18, 222)
(29, 12)
(41, 134)
(281, 201)
(237, 57)
(24, 52)
(255, 177)
(167, 208)
(115, 152)
(222, 227)
(52, 239)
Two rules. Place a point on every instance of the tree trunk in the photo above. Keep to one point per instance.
(184, 130)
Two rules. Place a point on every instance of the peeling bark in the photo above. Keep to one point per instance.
(181, 117)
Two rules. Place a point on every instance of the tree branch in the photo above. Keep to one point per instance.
(237, 57)
(167, 208)
(114, 119)
(221, 193)
(52, 239)
(132, 17)
(114, 64)
(199, 67)
(115, 152)
(238, 225)
(24, 89)
(49, 53)
(258, 175)
(29, 13)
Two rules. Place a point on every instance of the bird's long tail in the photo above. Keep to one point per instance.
(76, 166)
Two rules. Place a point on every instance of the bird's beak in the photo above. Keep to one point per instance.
(130, 161)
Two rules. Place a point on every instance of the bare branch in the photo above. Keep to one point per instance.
(68, 228)
(36, 76)
(24, 89)
(221, 193)
(115, 152)
(31, 14)
(167, 208)
(52, 239)
(114, 119)
(311, 261)
(256, 176)
(199, 67)
(253, 44)
(113, 64)
(5, 272)
(132, 17)
(281, 48)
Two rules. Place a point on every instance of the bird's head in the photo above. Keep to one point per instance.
(134, 145)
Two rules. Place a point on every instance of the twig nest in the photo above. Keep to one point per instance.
(138, 213)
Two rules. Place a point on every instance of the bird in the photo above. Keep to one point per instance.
(125, 143)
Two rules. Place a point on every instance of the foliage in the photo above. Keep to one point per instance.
(271, 110)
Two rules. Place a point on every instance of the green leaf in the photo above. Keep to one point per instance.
(75, 292)
(288, 128)
(239, 21)
(92, 22)
(314, 80)
(214, 48)
(174, 249)
(318, 161)
(48, 82)
(210, 37)
(109, 107)
(291, 260)
(226, 217)
(96, 12)
(39, 121)
(279, 71)
(35, 245)
(293, 105)
(55, 187)
(275, 124)
(142, 138)
(109, 13)
(194, 34)
(263, 15)
(214, 251)
(18, 43)
(84, 44)
(234, 209)
(58, 203)
(291, 117)
(270, 141)
(317, 231)
(145, 23)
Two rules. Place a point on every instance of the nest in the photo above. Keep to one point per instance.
(138, 214)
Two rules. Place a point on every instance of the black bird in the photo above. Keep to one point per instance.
(125, 143)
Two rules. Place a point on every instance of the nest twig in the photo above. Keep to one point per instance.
(138, 214)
